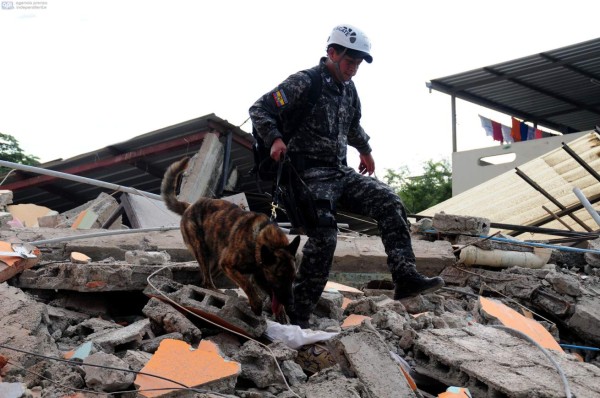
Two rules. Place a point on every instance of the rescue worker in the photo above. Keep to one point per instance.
(317, 150)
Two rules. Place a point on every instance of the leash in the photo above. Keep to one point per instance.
(276, 189)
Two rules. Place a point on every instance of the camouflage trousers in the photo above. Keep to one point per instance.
(358, 194)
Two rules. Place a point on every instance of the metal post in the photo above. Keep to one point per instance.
(453, 100)
(84, 180)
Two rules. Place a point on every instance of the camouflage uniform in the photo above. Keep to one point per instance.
(318, 150)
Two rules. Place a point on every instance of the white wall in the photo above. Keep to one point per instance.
(468, 170)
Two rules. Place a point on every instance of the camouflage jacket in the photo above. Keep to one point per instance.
(326, 130)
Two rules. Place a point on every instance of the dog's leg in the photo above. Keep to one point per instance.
(198, 250)
(248, 285)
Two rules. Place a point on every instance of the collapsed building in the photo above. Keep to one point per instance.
(100, 296)
(127, 298)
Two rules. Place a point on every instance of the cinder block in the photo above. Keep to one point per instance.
(227, 311)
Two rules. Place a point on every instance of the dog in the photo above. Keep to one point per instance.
(246, 246)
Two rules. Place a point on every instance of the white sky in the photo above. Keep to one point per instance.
(80, 75)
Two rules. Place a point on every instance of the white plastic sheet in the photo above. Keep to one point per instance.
(293, 336)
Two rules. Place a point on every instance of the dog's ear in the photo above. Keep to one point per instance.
(293, 247)
(266, 255)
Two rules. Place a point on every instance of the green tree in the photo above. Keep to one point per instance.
(421, 192)
(11, 151)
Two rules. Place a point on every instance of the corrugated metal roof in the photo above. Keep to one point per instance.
(519, 196)
(557, 89)
(137, 163)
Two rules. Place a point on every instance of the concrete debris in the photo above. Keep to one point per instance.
(101, 378)
(362, 352)
(166, 319)
(132, 303)
(493, 363)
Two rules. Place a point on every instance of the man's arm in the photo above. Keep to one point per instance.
(268, 109)
(359, 139)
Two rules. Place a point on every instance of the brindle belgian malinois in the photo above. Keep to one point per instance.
(250, 249)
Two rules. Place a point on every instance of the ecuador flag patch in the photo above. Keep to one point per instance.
(280, 98)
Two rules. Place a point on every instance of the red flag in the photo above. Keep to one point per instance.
(496, 131)
(516, 130)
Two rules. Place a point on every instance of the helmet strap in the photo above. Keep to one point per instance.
(336, 66)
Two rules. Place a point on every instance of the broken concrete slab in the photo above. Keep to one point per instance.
(204, 171)
(101, 378)
(203, 367)
(6, 198)
(362, 353)
(119, 339)
(464, 225)
(258, 363)
(24, 324)
(585, 320)
(100, 277)
(143, 212)
(564, 283)
(491, 362)
(144, 257)
(358, 260)
(136, 359)
(331, 383)
(62, 318)
(99, 211)
(167, 318)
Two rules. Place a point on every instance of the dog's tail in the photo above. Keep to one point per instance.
(169, 186)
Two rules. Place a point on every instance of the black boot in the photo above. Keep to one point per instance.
(414, 284)
(303, 323)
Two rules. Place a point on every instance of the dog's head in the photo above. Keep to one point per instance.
(279, 272)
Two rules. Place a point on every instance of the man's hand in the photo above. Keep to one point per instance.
(367, 164)
(278, 149)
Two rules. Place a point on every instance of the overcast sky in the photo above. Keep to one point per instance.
(80, 75)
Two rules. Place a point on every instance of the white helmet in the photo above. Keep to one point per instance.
(353, 39)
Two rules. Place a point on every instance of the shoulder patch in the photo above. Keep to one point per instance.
(280, 98)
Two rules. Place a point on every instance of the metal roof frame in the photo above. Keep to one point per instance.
(557, 89)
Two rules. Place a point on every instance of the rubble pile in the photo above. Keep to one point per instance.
(122, 315)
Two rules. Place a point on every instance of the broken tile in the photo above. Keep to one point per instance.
(455, 392)
(28, 213)
(85, 220)
(354, 320)
(81, 352)
(178, 361)
(512, 319)
(79, 258)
